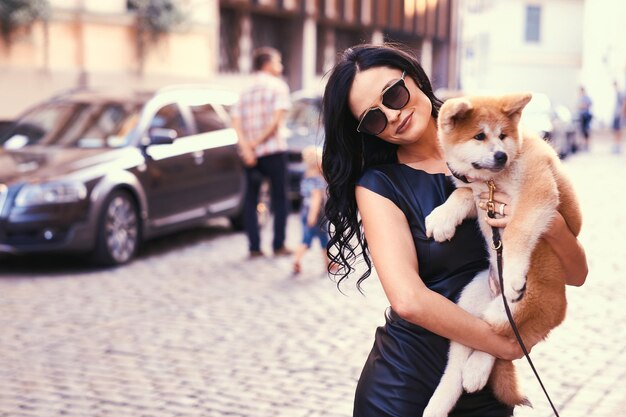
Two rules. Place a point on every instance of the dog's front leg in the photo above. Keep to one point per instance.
(441, 223)
(450, 386)
(473, 299)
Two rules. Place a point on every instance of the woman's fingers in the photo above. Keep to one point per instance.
(497, 196)
(502, 222)
(500, 207)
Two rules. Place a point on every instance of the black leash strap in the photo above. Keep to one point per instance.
(497, 245)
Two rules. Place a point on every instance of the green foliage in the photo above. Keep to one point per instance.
(158, 17)
(16, 14)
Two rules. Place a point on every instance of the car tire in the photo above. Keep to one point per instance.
(118, 230)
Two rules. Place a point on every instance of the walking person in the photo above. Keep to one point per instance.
(619, 113)
(258, 117)
(585, 116)
(313, 193)
(386, 172)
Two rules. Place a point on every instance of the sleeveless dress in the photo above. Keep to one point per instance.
(407, 361)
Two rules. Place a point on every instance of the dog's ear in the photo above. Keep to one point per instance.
(514, 103)
(452, 111)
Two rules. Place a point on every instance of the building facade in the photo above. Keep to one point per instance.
(96, 44)
(547, 46)
(310, 33)
(522, 45)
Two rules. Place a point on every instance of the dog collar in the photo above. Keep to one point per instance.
(458, 176)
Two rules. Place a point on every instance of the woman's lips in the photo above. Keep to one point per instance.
(404, 123)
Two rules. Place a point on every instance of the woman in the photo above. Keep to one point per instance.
(382, 159)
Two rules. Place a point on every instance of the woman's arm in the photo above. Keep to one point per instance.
(559, 236)
(393, 252)
(569, 251)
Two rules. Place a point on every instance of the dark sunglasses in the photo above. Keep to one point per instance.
(394, 97)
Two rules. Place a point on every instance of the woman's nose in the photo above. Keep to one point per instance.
(392, 115)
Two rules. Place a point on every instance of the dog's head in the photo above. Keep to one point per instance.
(481, 135)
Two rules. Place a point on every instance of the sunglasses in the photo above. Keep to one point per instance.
(394, 97)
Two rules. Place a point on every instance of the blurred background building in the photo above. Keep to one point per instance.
(143, 44)
(548, 46)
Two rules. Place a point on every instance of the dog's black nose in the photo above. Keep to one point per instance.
(500, 158)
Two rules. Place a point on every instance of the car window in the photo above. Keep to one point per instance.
(73, 124)
(207, 119)
(37, 126)
(170, 117)
(304, 113)
(101, 125)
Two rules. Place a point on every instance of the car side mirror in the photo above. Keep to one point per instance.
(162, 136)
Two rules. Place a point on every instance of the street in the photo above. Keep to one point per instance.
(194, 328)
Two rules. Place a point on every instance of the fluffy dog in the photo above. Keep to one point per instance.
(482, 141)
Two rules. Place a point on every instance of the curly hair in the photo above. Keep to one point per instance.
(348, 153)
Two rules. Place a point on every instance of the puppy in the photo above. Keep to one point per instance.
(482, 141)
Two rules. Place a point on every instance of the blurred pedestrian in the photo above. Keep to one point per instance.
(584, 115)
(385, 172)
(618, 115)
(313, 193)
(258, 117)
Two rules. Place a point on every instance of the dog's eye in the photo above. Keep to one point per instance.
(480, 136)
(502, 136)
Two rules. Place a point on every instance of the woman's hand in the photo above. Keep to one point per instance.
(502, 208)
(508, 349)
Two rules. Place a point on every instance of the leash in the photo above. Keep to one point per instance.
(497, 246)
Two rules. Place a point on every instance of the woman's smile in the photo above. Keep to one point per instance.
(405, 124)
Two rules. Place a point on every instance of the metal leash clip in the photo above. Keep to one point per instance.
(491, 211)
(491, 204)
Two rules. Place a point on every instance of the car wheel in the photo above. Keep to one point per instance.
(118, 230)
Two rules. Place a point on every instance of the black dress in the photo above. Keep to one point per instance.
(407, 361)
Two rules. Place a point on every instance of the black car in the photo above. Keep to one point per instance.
(99, 172)
(304, 127)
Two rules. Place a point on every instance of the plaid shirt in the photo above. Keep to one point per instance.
(256, 107)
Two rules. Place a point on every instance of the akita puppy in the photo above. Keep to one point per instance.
(482, 141)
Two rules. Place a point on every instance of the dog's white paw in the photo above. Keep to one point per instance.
(514, 281)
(477, 370)
(432, 411)
(442, 402)
(495, 314)
(440, 224)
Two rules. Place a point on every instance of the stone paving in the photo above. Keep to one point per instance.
(192, 328)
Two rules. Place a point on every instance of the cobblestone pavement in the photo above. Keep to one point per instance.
(192, 328)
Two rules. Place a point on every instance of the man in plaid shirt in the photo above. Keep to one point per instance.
(257, 118)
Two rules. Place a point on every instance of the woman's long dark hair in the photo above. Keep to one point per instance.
(347, 153)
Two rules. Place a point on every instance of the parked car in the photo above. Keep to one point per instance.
(553, 124)
(99, 172)
(304, 128)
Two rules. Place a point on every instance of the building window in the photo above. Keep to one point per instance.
(533, 23)
(230, 32)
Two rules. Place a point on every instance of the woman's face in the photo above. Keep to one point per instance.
(404, 126)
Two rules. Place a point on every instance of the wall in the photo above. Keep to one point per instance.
(95, 46)
(498, 59)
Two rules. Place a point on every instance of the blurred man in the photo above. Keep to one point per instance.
(618, 115)
(257, 118)
(584, 115)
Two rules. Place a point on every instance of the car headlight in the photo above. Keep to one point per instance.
(51, 193)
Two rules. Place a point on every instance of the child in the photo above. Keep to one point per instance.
(313, 192)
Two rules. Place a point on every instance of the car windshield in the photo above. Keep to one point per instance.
(74, 124)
